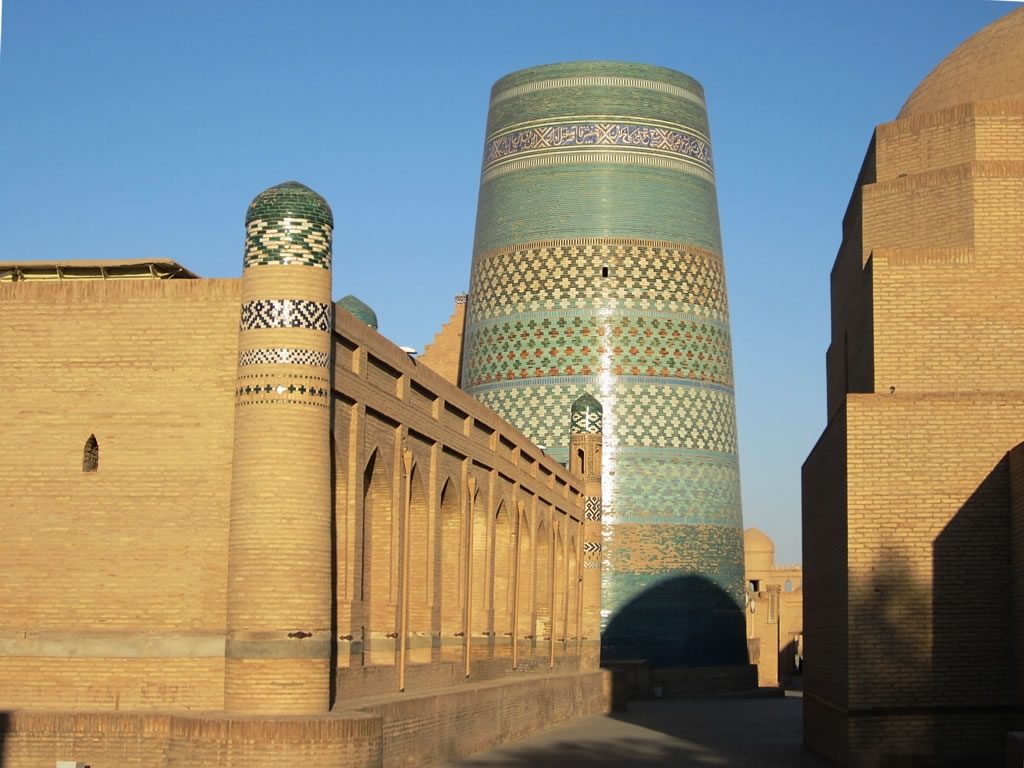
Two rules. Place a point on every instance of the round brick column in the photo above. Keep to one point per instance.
(279, 559)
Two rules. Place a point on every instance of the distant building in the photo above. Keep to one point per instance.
(774, 608)
(913, 497)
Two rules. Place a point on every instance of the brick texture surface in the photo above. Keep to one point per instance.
(910, 499)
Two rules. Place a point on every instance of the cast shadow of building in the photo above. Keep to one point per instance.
(682, 621)
(931, 682)
(972, 681)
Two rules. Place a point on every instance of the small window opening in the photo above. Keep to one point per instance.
(788, 586)
(579, 460)
(91, 455)
(604, 271)
(755, 585)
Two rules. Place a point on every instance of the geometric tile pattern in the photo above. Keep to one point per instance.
(287, 241)
(572, 343)
(585, 420)
(631, 274)
(684, 415)
(302, 390)
(285, 313)
(282, 356)
(592, 508)
(675, 140)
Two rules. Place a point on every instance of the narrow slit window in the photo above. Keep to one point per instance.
(91, 455)
(604, 271)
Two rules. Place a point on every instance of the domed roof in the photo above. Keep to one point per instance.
(756, 541)
(585, 402)
(358, 309)
(585, 415)
(988, 65)
(290, 200)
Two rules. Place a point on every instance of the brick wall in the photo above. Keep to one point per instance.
(906, 495)
(826, 588)
(114, 580)
(444, 354)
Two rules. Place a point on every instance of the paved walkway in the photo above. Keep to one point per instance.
(677, 732)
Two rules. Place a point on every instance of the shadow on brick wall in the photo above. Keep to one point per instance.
(5, 721)
(971, 691)
(684, 621)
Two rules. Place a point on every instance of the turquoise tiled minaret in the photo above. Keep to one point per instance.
(597, 268)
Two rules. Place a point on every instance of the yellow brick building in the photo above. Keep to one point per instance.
(774, 611)
(907, 494)
(240, 526)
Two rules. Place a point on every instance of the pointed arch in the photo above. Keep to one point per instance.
(453, 570)
(419, 603)
(524, 619)
(572, 628)
(558, 617)
(480, 559)
(542, 589)
(377, 557)
(504, 557)
(91, 455)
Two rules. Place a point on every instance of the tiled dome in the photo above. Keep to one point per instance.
(290, 200)
(358, 309)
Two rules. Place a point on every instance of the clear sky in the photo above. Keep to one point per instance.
(134, 128)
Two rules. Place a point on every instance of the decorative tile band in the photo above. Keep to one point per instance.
(618, 156)
(303, 390)
(282, 356)
(599, 344)
(592, 508)
(592, 554)
(287, 241)
(594, 381)
(690, 416)
(596, 81)
(285, 313)
(674, 141)
(597, 273)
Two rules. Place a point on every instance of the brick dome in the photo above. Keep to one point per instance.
(756, 541)
(989, 65)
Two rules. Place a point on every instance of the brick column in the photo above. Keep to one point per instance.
(279, 558)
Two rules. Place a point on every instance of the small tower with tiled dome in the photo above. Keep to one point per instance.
(586, 425)
(279, 558)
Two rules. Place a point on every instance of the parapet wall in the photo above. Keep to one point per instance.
(494, 528)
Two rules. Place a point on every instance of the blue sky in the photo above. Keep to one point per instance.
(133, 129)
